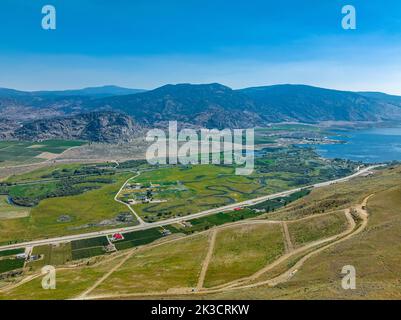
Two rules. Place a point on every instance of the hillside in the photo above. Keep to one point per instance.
(24, 105)
(95, 126)
(208, 105)
(203, 105)
(215, 105)
(311, 104)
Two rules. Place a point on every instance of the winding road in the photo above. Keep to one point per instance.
(143, 225)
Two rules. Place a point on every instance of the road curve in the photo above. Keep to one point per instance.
(146, 226)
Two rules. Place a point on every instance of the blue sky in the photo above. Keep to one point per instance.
(145, 44)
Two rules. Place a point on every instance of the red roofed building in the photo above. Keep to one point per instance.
(117, 236)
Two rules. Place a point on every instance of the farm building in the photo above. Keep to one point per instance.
(21, 256)
(117, 237)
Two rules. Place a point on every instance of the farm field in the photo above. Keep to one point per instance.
(87, 248)
(17, 152)
(139, 238)
(9, 264)
(179, 191)
(173, 268)
(54, 255)
(70, 199)
(90, 211)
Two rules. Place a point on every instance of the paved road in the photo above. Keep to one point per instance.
(145, 226)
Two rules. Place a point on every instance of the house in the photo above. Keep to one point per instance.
(166, 232)
(34, 257)
(117, 237)
(238, 209)
(21, 256)
(186, 224)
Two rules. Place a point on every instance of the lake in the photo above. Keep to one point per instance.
(370, 146)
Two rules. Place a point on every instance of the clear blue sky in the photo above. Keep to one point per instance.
(147, 43)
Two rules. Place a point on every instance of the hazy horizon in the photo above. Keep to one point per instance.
(191, 83)
(146, 44)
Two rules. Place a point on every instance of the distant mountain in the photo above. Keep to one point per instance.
(109, 127)
(26, 106)
(311, 104)
(92, 114)
(215, 105)
(208, 105)
(382, 97)
(95, 92)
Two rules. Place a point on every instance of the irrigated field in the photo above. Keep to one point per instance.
(182, 190)
(17, 152)
(67, 215)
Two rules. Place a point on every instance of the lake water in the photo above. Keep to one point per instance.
(370, 146)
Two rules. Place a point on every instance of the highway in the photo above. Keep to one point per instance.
(143, 225)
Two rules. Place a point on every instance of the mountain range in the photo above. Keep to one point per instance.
(29, 115)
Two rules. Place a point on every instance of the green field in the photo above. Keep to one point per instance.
(70, 199)
(241, 251)
(11, 252)
(84, 212)
(139, 238)
(87, 248)
(185, 190)
(17, 152)
(11, 264)
(56, 181)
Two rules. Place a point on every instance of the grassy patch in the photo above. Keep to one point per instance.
(10, 211)
(313, 229)
(84, 212)
(172, 265)
(241, 251)
(69, 284)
